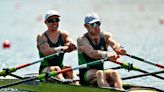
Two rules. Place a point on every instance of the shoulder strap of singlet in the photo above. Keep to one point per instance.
(58, 43)
(101, 43)
(89, 39)
(47, 36)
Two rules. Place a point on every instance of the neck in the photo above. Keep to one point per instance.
(52, 33)
(94, 38)
(93, 35)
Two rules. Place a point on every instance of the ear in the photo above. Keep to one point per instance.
(45, 22)
(85, 25)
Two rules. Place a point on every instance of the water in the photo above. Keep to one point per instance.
(134, 23)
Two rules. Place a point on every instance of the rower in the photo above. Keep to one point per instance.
(93, 46)
(54, 40)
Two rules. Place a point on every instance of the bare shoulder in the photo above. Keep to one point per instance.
(81, 39)
(108, 38)
(40, 36)
(83, 44)
(64, 32)
(107, 34)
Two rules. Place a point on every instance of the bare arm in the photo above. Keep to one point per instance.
(84, 46)
(114, 45)
(68, 41)
(44, 47)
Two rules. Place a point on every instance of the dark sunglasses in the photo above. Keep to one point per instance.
(95, 24)
(53, 20)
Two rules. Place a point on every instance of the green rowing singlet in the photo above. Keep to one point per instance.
(56, 60)
(83, 58)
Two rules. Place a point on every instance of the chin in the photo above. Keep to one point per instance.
(97, 32)
(55, 29)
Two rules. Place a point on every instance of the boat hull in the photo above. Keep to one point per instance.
(37, 86)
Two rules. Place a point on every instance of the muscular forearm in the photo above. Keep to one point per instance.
(116, 46)
(52, 50)
(48, 51)
(96, 54)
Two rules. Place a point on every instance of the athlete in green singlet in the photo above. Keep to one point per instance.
(93, 46)
(52, 41)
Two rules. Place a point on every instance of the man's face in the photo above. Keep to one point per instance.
(93, 28)
(52, 23)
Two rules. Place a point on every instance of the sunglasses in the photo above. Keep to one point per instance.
(53, 20)
(95, 24)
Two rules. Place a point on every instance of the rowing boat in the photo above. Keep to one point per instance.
(34, 83)
(38, 86)
(63, 86)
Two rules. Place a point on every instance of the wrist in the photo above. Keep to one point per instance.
(104, 55)
(58, 49)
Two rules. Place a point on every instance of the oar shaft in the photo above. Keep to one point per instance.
(151, 75)
(28, 64)
(119, 67)
(8, 71)
(16, 76)
(142, 75)
(140, 59)
(54, 73)
(41, 60)
(22, 66)
(19, 82)
(82, 66)
(124, 65)
(161, 66)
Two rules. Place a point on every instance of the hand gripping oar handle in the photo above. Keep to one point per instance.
(8, 71)
(135, 57)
